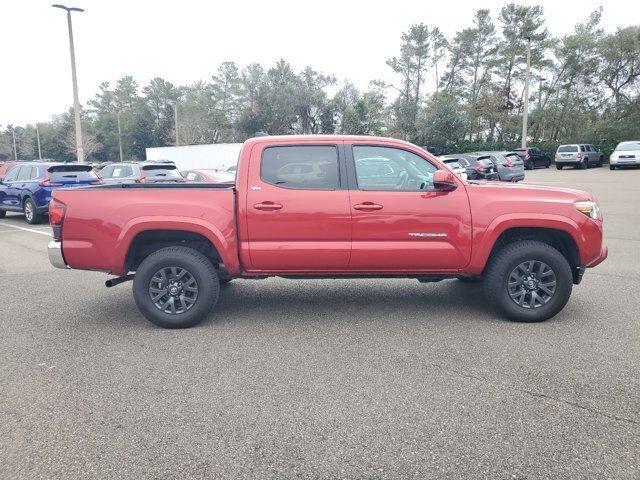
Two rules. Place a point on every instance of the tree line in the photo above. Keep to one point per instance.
(462, 93)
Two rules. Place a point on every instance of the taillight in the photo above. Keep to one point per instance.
(48, 183)
(508, 164)
(57, 211)
(526, 156)
(579, 155)
(479, 168)
(139, 180)
(97, 182)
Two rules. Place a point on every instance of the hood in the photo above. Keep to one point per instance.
(531, 191)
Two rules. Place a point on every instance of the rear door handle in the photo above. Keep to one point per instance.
(267, 206)
(367, 206)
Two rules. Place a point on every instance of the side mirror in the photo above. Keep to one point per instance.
(444, 181)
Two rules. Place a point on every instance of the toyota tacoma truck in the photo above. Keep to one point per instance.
(330, 207)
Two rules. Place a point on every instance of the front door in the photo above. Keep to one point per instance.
(400, 223)
(297, 209)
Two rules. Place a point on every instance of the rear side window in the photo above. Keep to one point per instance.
(106, 172)
(582, 149)
(567, 149)
(304, 167)
(122, 171)
(25, 173)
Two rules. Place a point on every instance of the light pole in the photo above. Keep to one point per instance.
(525, 113)
(76, 102)
(119, 136)
(15, 150)
(38, 138)
(175, 119)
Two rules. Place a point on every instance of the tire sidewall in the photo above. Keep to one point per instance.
(564, 284)
(191, 260)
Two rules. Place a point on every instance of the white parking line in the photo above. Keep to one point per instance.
(32, 230)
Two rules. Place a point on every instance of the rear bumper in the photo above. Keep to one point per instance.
(56, 258)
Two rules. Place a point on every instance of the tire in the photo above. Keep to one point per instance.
(583, 165)
(612, 167)
(548, 164)
(528, 166)
(559, 167)
(507, 261)
(195, 306)
(31, 214)
(3, 213)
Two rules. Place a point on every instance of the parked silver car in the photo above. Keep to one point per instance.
(579, 155)
(509, 165)
(454, 164)
(626, 154)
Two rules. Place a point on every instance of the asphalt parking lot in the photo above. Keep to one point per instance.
(323, 378)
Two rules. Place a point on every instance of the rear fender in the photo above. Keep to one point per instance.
(226, 246)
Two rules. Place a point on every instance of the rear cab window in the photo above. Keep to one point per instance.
(309, 167)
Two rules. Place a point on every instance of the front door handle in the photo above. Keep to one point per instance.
(367, 206)
(267, 206)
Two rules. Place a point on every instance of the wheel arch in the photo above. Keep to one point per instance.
(561, 233)
(144, 236)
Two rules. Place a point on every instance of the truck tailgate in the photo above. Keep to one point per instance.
(100, 223)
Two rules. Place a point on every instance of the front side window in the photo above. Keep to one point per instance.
(304, 167)
(387, 168)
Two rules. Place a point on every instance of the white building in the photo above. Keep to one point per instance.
(212, 156)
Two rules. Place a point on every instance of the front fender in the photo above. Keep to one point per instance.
(485, 238)
(224, 242)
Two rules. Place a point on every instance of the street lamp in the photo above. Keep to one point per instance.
(76, 102)
(525, 113)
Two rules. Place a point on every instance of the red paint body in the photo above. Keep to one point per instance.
(261, 229)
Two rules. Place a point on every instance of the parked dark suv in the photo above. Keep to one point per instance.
(533, 158)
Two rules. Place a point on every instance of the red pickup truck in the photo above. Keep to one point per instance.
(330, 206)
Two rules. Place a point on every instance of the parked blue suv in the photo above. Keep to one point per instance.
(27, 186)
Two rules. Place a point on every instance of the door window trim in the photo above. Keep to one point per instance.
(352, 178)
(342, 183)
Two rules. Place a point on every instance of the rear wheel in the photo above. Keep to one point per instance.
(559, 167)
(612, 167)
(30, 212)
(583, 165)
(3, 213)
(528, 281)
(176, 287)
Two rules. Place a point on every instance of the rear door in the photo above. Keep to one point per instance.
(297, 208)
(400, 223)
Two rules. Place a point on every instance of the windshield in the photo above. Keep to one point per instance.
(628, 146)
(567, 148)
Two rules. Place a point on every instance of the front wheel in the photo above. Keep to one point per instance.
(612, 167)
(176, 287)
(528, 281)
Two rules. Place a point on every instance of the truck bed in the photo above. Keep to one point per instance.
(102, 222)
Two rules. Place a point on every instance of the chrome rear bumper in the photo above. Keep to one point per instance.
(55, 254)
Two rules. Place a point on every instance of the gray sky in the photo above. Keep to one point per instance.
(185, 41)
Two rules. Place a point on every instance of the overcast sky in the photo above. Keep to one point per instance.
(185, 40)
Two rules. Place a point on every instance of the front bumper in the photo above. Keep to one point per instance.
(604, 251)
(621, 162)
(55, 254)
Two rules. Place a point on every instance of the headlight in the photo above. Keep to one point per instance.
(590, 209)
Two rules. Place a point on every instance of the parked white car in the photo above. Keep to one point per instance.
(454, 165)
(626, 154)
